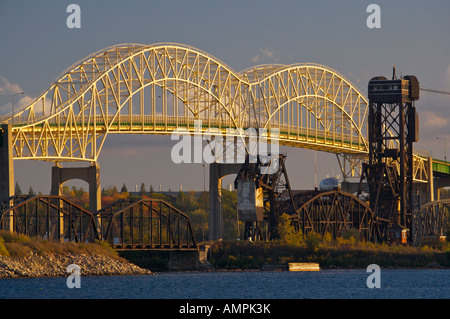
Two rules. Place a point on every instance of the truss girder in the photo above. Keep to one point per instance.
(146, 223)
(336, 212)
(51, 217)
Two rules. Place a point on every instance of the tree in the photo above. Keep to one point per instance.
(77, 192)
(124, 189)
(114, 191)
(229, 201)
(65, 190)
(199, 222)
(179, 202)
(31, 191)
(287, 232)
(17, 190)
(142, 190)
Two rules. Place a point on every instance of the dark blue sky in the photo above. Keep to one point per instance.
(36, 46)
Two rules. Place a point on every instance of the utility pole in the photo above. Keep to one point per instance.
(445, 148)
(12, 104)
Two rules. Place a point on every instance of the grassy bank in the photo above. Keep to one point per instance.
(331, 254)
(341, 253)
(18, 245)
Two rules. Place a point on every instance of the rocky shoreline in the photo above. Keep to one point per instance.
(50, 265)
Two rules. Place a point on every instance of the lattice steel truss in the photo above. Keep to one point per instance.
(336, 212)
(146, 224)
(431, 221)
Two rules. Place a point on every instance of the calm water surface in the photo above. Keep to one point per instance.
(325, 284)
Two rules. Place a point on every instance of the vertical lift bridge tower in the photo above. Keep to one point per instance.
(392, 129)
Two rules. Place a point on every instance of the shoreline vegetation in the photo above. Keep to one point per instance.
(347, 251)
(342, 255)
(24, 257)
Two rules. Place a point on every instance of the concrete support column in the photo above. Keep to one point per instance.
(95, 194)
(6, 162)
(215, 217)
(56, 190)
(439, 183)
(430, 189)
(6, 166)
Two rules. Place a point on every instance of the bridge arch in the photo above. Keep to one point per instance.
(115, 91)
(334, 109)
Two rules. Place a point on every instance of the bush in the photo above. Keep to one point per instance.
(13, 237)
(313, 241)
(287, 232)
(17, 250)
(42, 247)
(3, 250)
(351, 234)
(106, 248)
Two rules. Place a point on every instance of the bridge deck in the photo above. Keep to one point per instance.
(441, 168)
(292, 135)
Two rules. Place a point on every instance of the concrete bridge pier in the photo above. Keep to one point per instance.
(90, 175)
(215, 217)
(6, 162)
(438, 184)
(6, 166)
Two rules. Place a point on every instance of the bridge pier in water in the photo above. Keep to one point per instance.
(90, 174)
(215, 217)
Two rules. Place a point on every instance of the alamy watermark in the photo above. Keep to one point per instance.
(74, 19)
(374, 19)
(74, 280)
(374, 280)
(232, 147)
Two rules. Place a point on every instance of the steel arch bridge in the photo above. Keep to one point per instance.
(157, 89)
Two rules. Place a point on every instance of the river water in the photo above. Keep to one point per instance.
(324, 284)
